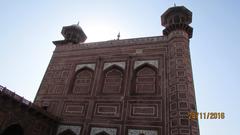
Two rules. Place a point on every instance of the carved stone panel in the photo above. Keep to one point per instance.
(75, 109)
(108, 109)
(144, 110)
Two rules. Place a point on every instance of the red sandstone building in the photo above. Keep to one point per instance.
(140, 86)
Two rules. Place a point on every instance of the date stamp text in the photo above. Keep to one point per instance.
(206, 115)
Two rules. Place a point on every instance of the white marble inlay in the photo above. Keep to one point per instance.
(151, 62)
(120, 64)
(75, 129)
(80, 66)
(138, 132)
(110, 131)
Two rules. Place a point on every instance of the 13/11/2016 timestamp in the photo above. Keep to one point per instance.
(206, 115)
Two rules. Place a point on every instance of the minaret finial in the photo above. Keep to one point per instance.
(118, 36)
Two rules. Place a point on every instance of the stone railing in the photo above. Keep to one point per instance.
(13, 96)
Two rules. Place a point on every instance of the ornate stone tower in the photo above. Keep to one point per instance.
(180, 93)
(140, 86)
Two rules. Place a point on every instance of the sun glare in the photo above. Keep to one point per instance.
(101, 31)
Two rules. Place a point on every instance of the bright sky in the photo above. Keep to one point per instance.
(29, 27)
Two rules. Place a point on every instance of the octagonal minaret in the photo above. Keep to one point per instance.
(181, 100)
(177, 18)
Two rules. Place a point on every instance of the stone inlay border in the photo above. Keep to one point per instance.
(120, 64)
(75, 129)
(111, 109)
(145, 132)
(151, 62)
(110, 131)
(80, 66)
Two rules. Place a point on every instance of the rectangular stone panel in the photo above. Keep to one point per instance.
(75, 108)
(145, 130)
(147, 110)
(143, 110)
(141, 131)
(109, 109)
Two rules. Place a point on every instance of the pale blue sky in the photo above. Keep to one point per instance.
(29, 27)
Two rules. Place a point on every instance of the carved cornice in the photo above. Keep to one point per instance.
(174, 27)
(62, 46)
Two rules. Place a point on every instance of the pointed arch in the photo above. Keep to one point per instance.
(144, 80)
(112, 80)
(139, 63)
(14, 129)
(82, 81)
(102, 133)
(67, 132)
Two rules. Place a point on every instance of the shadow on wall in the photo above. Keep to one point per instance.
(14, 129)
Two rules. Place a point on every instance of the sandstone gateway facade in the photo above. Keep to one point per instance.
(140, 86)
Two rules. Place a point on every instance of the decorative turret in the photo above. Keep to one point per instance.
(74, 34)
(177, 18)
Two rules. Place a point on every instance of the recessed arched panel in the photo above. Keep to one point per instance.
(144, 80)
(67, 132)
(112, 80)
(82, 82)
(102, 133)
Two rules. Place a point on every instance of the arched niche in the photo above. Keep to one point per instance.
(144, 80)
(112, 80)
(81, 82)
